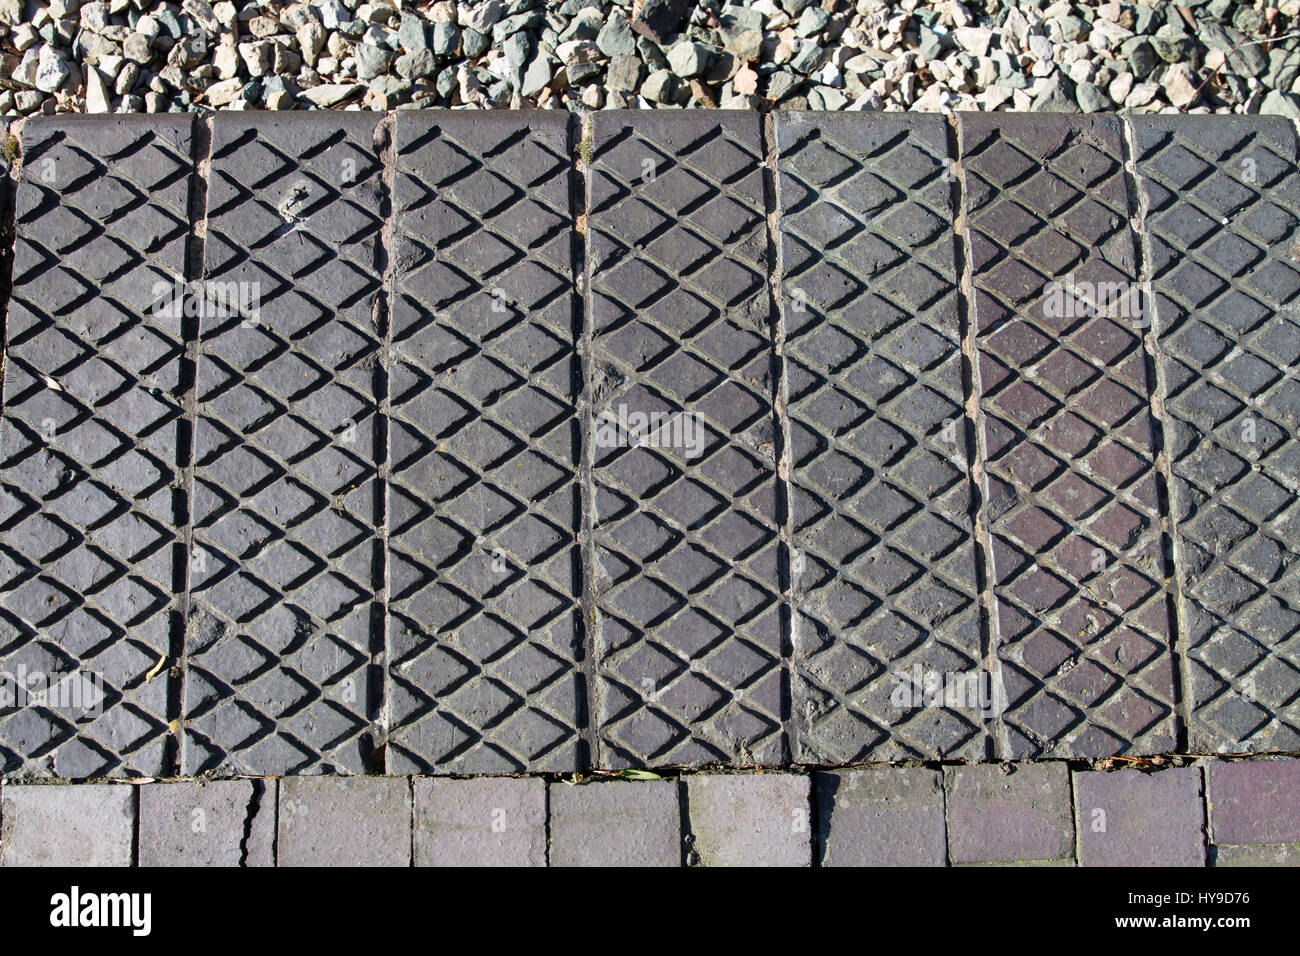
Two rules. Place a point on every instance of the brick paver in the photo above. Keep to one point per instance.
(344, 821)
(1081, 624)
(1000, 817)
(89, 454)
(615, 824)
(749, 819)
(283, 568)
(1264, 854)
(487, 821)
(881, 816)
(83, 825)
(484, 630)
(219, 823)
(1222, 216)
(1255, 801)
(1131, 818)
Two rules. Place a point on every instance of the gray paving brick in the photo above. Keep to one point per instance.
(881, 816)
(218, 823)
(485, 631)
(93, 391)
(485, 821)
(344, 821)
(1130, 818)
(884, 577)
(996, 817)
(1081, 625)
(688, 647)
(285, 568)
(615, 824)
(1266, 854)
(1222, 214)
(82, 825)
(1254, 801)
(750, 819)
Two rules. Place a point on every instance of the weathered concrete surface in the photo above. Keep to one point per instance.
(388, 511)
(881, 816)
(749, 819)
(344, 821)
(1000, 817)
(1081, 624)
(489, 821)
(219, 823)
(1129, 818)
(615, 824)
(484, 630)
(84, 825)
(884, 579)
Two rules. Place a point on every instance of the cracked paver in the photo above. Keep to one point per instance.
(1082, 631)
(485, 633)
(884, 578)
(89, 481)
(1222, 225)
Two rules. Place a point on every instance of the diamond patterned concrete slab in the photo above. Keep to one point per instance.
(485, 632)
(285, 568)
(1221, 202)
(884, 575)
(688, 645)
(89, 490)
(1081, 627)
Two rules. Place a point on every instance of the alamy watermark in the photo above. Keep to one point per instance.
(207, 298)
(919, 688)
(78, 692)
(1071, 298)
(622, 428)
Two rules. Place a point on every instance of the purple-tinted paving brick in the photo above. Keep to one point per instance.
(750, 819)
(1130, 818)
(485, 630)
(285, 570)
(1222, 220)
(219, 823)
(485, 821)
(344, 821)
(615, 824)
(688, 648)
(885, 579)
(1254, 801)
(998, 817)
(882, 816)
(81, 825)
(1261, 854)
(1081, 624)
(93, 402)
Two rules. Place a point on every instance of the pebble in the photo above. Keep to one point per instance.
(101, 55)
